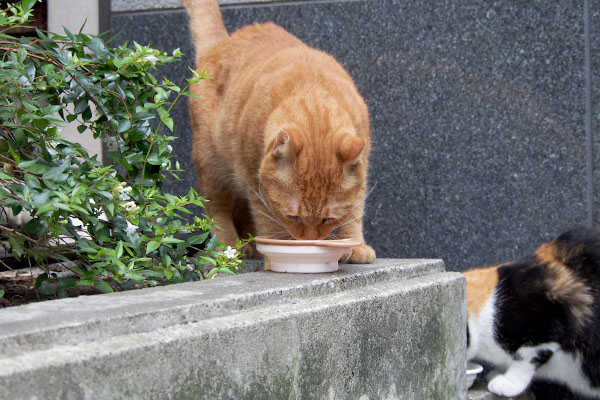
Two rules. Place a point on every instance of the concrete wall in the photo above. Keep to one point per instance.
(478, 113)
(390, 330)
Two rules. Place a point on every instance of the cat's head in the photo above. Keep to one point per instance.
(313, 186)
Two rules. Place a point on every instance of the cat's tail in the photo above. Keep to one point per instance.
(206, 23)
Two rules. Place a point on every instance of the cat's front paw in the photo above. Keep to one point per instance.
(501, 385)
(362, 254)
(249, 250)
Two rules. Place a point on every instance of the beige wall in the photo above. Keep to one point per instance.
(72, 14)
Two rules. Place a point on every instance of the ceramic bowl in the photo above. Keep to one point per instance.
(472, 371)
(304, 256)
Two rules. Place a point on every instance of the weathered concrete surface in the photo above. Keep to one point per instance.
(394, 329)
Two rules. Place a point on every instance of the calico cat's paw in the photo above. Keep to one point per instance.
(503, 386)
(362, 254)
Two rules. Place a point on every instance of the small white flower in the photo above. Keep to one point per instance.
(127, 189)
(131, 229)
(124, 196)
(170, 148)
(190, 267)
(164, 165)
(151, 59)
(130, 206)
(230, 253)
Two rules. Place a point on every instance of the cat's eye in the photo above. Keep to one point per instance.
(293, 218)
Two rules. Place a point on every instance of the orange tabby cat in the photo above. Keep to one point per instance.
(280, 135)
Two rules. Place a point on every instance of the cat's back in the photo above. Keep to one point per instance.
(248, 47)
(555, 290)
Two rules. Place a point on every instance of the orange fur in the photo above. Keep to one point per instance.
(563, 284)
(481, 282)
(281, 130)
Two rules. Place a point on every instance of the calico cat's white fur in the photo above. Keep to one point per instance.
(539, 317)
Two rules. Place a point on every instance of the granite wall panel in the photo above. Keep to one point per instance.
(477, 114)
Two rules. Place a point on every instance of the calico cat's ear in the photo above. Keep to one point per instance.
(349, 147)
(286, 145)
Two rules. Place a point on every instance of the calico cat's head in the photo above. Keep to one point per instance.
(313, 185)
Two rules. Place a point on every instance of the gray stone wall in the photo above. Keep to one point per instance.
(478, 113)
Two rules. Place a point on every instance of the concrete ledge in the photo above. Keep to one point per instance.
(143, 5)
(393, 329)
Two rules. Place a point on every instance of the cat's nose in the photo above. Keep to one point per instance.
(311, 228)
(311, 234)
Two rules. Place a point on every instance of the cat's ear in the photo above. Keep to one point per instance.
(349, 147)
(286, 145)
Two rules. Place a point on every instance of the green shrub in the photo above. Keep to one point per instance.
(114, 220)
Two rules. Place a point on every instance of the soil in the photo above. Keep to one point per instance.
(20, 289)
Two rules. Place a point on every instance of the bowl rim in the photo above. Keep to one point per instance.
(473, 368)
(344, 242)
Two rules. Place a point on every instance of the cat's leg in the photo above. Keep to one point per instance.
(521, 370)
(360, 254)
(244, 224)
(219, 208)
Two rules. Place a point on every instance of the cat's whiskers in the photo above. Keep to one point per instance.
(355, 205)
(349, 221)
(261, 198)
(282, 235)
(273, 219)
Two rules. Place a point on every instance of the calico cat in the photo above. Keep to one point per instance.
(540, 316)
(281, 136)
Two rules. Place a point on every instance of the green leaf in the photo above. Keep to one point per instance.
(3, 175)
(170, 239)
(134, 276)
(192, 95)
(16, 246)
(212, 243)
(226, 271)
(207, 260)
(85, 282)
(124, 125)
(97, 46)
(81, 106)
(36, 228)
(44, 209)
(28, 4)
(119, 249)
(21, 54)
(65, 283)
(33, 166)
(54, 172)
(41, 278)
(1, 293)
(103, 286)
(47, 288)
(155, 159)
(169, 123)
(151, 246)
(197, 239)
